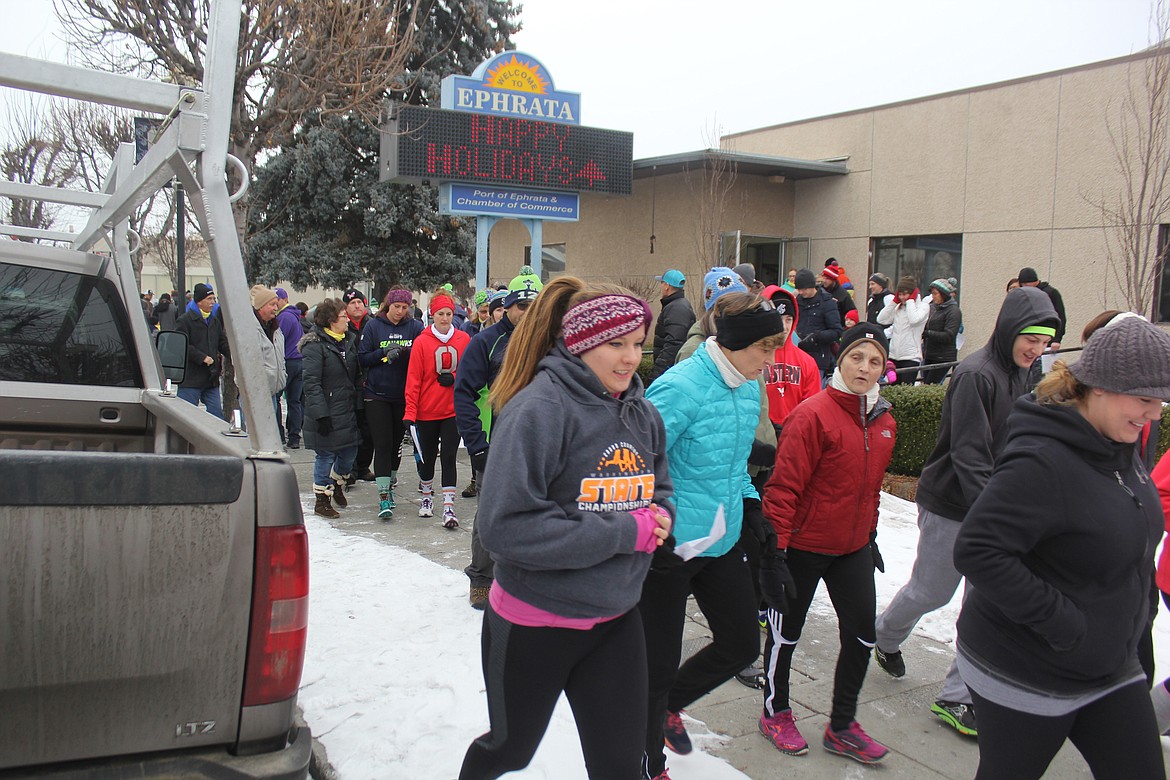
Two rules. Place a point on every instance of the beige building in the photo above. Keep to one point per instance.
(972, 184)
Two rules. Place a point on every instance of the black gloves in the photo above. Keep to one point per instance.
(479, 461)
(762, 455)
(325, 426)
(664, 558)
(878, 563)
(758, 526)
(393, 352)
(446, 380)
(776, 581)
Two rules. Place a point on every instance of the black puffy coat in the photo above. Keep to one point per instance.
(333, 383)
(670, 331)
(819, 327)
(939, 338)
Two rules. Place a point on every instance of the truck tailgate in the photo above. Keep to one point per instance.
(123, 619)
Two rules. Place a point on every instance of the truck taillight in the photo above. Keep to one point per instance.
(280, 615)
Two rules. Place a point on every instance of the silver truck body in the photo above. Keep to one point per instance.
(153, 566)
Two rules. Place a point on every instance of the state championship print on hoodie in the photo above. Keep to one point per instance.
(621, 481)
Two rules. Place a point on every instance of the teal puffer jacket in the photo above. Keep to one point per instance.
(709, 433)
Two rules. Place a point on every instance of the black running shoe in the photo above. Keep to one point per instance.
(893, 663)
(752, 677)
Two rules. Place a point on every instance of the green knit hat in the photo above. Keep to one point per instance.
(523, 287)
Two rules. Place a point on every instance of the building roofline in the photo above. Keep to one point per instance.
(745, 163)
(1138, 56)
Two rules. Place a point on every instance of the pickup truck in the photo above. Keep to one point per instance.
(153, 559)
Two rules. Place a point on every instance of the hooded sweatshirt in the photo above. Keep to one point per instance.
(795, 375)
(386, 381)
(978, 400)
(569, 464)
(1060, 576)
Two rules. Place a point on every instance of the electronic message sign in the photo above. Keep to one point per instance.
(437, 145)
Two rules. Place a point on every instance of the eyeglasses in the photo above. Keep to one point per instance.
(523, 304)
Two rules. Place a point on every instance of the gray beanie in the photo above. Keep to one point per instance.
(747, 272)
(1131, 357)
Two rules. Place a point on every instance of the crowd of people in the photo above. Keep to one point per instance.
(624, 499)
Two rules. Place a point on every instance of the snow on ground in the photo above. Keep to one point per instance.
(392, 674)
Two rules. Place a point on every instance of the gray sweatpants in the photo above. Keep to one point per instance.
(932, 585)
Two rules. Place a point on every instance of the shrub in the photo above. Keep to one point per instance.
(1164, 432)
(918, 411)
(645, 366)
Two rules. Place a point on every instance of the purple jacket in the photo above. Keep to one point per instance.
(289, 320)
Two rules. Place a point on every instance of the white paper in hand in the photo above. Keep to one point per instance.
(688, 550)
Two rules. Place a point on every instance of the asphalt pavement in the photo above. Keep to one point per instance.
(894, 711)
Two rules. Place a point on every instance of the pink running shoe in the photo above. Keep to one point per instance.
(854, 743)
(781, 731)
(674, 733)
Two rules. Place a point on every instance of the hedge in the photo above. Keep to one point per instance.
(918, 411)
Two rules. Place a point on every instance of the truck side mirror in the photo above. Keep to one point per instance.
(172, 351)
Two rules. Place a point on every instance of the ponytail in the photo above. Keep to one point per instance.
(534, 338)
(1059, 387)
(537, 333)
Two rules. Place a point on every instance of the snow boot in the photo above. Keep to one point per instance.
(339, 483)
(324, 508)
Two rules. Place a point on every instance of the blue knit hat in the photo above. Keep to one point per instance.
(719, 280)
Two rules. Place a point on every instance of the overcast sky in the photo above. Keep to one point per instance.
(672, 72)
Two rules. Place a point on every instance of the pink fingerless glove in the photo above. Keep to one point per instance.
(645, 517)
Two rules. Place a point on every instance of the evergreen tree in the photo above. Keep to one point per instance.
(319, 215)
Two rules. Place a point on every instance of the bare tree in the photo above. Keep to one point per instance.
(1139, 135)
(711, 184)
(91, 135)
(163, 247)
(294, 58)
(35, 154)
(645, 287)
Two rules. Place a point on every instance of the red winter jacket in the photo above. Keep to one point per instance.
(824, 492)
(1161, 475)
(426, 399)
(795, 375)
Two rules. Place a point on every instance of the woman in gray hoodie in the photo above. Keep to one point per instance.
(575, 501)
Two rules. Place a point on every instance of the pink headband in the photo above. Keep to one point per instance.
(594, 322)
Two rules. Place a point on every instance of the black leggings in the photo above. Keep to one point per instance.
(849, 579)
(430, 434)
(1117, 735)
(385, 418)
(603, 674)
(722, 588)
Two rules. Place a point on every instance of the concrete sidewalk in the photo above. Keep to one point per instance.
(896, 712)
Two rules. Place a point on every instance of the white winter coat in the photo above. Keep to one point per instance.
(907, 321)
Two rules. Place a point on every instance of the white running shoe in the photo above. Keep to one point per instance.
(426, 507)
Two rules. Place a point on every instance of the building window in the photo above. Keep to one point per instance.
(552, 260)
(1162, 276)
(771, 255)
(925, 258)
